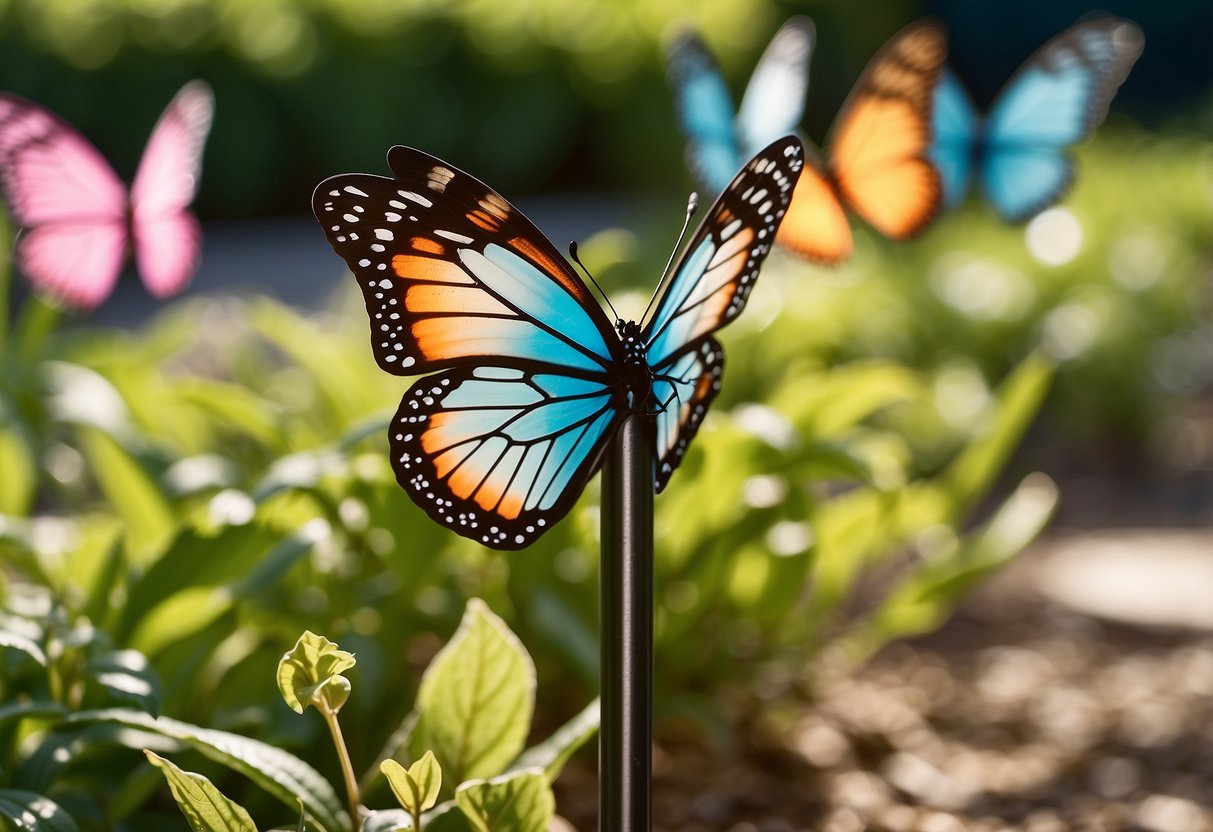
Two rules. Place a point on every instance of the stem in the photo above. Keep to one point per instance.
(416, 820)
(347, 769)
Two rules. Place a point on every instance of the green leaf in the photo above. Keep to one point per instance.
(131, 492)
(518, 802)
(179, 617)
(554, 752)
(971, 474)
(127, 676)
(232, 406)
(278, 772)
(30, 812)
(20, 470)
(445, 817)
(205, 807)
(195, 558)
(313, 669)
(386, 820)
(16, 641)
(176, 605)
(417, 787)
(841, 398)
(476, 698)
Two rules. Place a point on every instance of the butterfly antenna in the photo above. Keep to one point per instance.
(577, 260)
(692, 206)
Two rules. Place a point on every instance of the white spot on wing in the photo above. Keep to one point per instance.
(415, 197)
(451, 235)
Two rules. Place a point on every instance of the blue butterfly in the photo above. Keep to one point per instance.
(529, 381)
(722, 136)
(1019, 150)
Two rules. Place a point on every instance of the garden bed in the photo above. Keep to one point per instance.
(1020, 714)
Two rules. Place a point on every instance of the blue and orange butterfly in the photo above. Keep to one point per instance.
(528, 379)
(876, 157)
(1019, 150)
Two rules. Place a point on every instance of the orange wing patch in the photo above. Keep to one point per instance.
(412, 267)
(898, 200)
(427, 245)
(815, 226)
(557, 269)
(877, 162)
(878, 158)
(427, 298)
(484, 220)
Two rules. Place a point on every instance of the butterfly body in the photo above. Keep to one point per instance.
(1018, 151)
(637, 375)
(80, 223)
(524, 379)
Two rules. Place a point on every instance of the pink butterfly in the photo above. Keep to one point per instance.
(80, 222)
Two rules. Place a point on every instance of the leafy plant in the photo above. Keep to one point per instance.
(476, 702)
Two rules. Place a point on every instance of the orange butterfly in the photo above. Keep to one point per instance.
(876, 161)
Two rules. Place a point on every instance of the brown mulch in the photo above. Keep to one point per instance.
(1018, 715)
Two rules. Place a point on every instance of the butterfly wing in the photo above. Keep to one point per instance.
(1055, 100)
(68, 200)
(452, 274)
(708, 289)
(499, 444)
(955, 127)
(816, 226)
(878, 155)
(683, 388)
(167, 238)
(774, 99)
(716, 272)
(500, 454)
(705, 111)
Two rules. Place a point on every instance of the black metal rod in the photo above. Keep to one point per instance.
(626, 616)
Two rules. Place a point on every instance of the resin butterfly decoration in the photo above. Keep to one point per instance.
(1019, 151)
(526, 381)
(875, 160)
(79, 221)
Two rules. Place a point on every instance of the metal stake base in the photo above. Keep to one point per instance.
(626, 616)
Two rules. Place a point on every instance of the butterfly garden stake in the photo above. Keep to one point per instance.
(528, 387)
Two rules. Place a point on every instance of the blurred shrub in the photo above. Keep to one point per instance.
(1113, 284)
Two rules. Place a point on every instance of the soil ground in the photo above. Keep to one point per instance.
(1022, 713)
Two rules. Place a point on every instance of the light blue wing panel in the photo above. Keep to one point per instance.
(954, 125)
(1021, 181)
(683, 388)
(453, 275)
(713, 278)
(705, 111)
(1055, 100)
(773, 103)
(499, 454)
